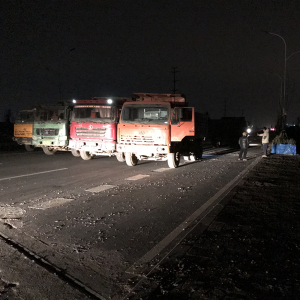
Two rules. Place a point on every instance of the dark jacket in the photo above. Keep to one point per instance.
(243, 142)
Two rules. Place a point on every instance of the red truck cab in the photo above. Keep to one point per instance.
(93, 127)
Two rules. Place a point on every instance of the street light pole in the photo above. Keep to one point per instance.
(281, 84)
(283, 106)
(284, 79)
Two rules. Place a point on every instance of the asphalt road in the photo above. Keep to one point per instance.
(93, 225)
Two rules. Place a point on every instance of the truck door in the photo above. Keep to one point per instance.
(182, 123)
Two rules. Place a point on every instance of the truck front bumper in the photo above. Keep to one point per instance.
(23, 140)
(143, 149)
(54, 143)
(93, 147)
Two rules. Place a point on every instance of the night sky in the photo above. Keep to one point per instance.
(60, 50)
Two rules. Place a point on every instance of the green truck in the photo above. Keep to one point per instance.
(51, 128)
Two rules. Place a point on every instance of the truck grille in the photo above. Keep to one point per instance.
(137, 140)
(86, 132)
(47, 131)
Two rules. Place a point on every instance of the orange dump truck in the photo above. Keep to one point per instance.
(158, 127)
(23, 128)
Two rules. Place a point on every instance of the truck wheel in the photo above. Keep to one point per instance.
(120, 156)
(49, 151)
(75, 152)
(131, 159)
(29, 148)
(86, 155)
(173, 160)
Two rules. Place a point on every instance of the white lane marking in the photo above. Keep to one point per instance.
(137, 177)
(161, 170)
(13, 177)
(10, 212)
(51, 203)
(100, 188)
(170, 237)
(14, 223)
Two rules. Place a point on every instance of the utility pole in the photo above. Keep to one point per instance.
(174, 79)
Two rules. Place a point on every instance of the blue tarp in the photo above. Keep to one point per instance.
(284, 149)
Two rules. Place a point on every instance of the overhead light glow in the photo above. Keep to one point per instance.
(109, 101)
(248, 130)
(74, 101)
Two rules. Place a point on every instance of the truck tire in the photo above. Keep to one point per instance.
(75, 152)
(29, 148)
(86, 155)
(131, 159)
(49, 151)
(173, 160)
(120, 156)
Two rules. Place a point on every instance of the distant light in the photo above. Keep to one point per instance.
(74, 101)
(109, 101)
(272, 129)
(248, 130)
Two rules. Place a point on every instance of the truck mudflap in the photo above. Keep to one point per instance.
(191, 148)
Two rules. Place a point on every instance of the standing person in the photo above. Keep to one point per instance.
(244, 144)
(265, 140)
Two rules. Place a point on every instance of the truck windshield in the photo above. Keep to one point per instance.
(94, 113)
(51, 115)
(145, 114)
